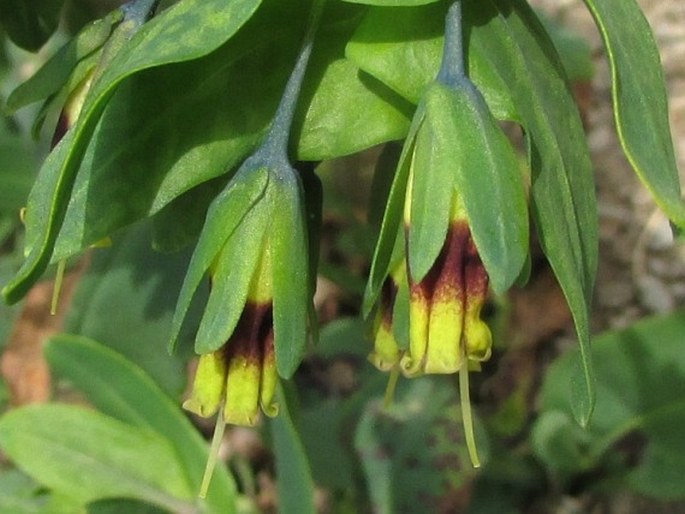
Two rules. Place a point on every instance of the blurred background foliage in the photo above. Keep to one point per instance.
(133, 450)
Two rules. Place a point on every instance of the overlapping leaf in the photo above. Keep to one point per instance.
(295, 483)
(122, 390)
(562, 186)
(640, 395)
(640, 106)
(171, 37)
(89, 456)
(226, 104)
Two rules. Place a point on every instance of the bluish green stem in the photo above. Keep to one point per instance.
(452, 68)
(276, 145)
(139, 10)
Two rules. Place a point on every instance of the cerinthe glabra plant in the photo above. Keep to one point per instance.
(255, 247)
(446, 256)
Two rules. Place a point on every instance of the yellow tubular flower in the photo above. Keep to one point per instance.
(386, 352)
(445, 306)
(242, 373)
(208, 386)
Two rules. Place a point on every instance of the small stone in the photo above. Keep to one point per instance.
(654, 295)
(659, 233)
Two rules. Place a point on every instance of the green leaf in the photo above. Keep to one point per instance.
(17, 173)
(19, 494)
(168, 38)
(392, 217)
(291, 281)
(393, 3)
(432, 193)
(127, 506)
(470, 145)
(180, 221)
(295, 483)
(90, 456)
(408, 452)
(232, 275)
(640, 393)
(234, 100)
(403, 48)
(366, 112)
(225, 214)
(562, 187)
(56, 71)
(122, 390)
(640, 104)
(30, 23)
(142, 285)
(323, 433)
(574, 51)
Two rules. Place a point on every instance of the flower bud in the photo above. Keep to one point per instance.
(386, 352)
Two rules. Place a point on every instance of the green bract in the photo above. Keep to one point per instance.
(260, 210)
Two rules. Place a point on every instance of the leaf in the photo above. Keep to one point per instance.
(56, 71)
(180, 221)
(295, 484)
(119, 506)
(225, 214)
(392, 217)
(126, 300)
(122, 390)
(29, 24)
(168, 38)
(291, 281)
(234, 100)
(16, 173)
(393, 3)
(408, 452)
(232, 275)
(469, 145)
(640, 396)
(432, 193)
(90, 456)
(402, 48)
(366, 112)
(574, 51)
(640, 104)
(562, 186)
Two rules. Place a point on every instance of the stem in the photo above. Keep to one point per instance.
(466, 415)
(218, 436)
(452, 68)
(57, 288)
(139, 10)
(392, 384)
(276, 144)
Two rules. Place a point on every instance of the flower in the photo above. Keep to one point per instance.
(458, 199)
(445, 328)
(386, 354)
(242, 375)
(72, 107)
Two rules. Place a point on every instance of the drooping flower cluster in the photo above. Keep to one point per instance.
(458, 202)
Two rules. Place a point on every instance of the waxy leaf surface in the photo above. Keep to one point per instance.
(640, 105)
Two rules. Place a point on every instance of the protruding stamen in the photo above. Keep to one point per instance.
(218, 436)
(466, 414)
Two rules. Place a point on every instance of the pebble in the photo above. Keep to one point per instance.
(654, 295)
(659, 233)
